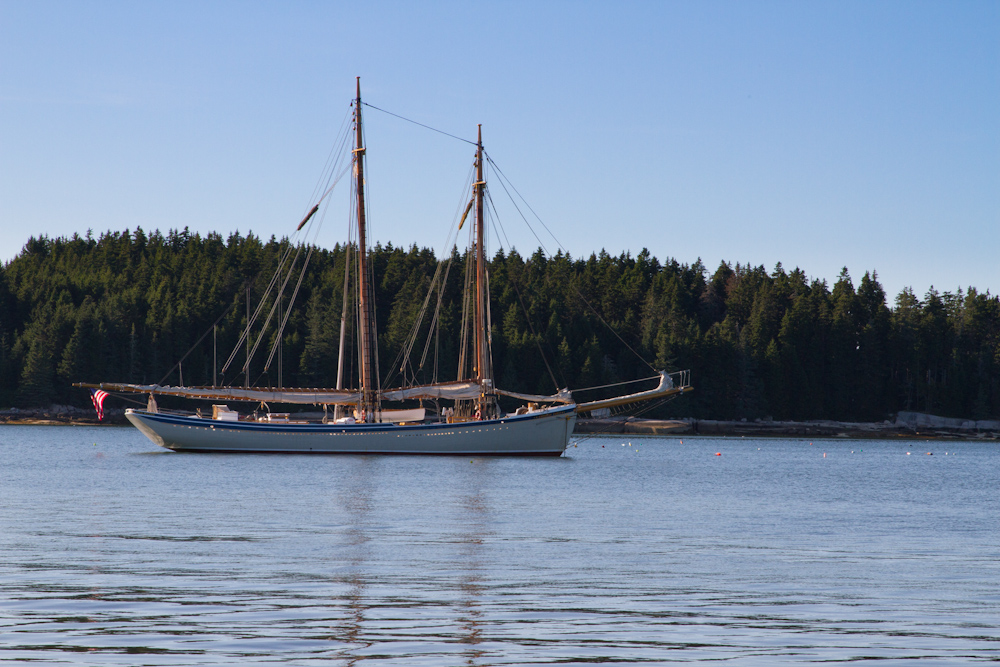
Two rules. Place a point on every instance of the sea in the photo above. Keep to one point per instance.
(626, 550)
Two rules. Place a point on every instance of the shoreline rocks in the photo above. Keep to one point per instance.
(908, 425)
(61, 415)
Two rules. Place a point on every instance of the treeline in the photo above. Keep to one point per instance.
(126, 306)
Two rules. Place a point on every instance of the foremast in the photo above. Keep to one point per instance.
(368, 407)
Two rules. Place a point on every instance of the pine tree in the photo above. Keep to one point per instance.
(37, 388)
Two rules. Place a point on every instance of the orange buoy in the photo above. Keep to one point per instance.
(718, 453)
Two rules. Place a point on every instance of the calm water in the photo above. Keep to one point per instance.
(113, 552)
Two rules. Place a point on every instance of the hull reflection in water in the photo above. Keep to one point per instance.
(540, 433)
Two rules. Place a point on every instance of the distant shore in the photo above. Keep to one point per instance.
(59, 415)
(907, 425)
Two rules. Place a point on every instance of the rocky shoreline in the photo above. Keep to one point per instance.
(907, 425)
(61, 415)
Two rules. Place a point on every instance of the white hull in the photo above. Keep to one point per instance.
(541, 433)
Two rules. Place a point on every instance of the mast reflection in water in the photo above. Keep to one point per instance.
(356, 502)
(470, 555)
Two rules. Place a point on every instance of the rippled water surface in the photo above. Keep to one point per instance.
(113, 552)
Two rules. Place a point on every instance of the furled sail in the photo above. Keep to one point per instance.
(297, 396)
(561, 396)
(446, 390)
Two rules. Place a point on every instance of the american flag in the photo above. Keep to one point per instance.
(98, 396)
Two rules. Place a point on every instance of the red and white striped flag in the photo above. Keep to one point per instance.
(98, 396)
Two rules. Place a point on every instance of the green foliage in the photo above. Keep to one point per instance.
(126, 306)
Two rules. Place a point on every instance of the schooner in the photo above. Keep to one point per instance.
(474, 423)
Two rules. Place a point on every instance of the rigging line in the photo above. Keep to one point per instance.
(337, 149)
(326, 193)
(530, 228)
(403, 358)
(527, 318)
(488, 358)
(250, 322)
(451, 242)
(489, 325)
(452, 238)
(442, 284)
(451, 247)
(181, 360)
(617, 384)
(312, 246)
(260, 306)
(290, 243)
(274, 307)
(349, 318)
(288, 311)
(437, 313)
(466, 314)
(612, 329)
(130, 400)
(575, 286)
(437, 351)
(653, 406)
(342, 173)
(607, 429)
(464, 322)
(409, 120)
(503, 177)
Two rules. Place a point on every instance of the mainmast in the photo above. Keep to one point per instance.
(483, 370)
(366, 311)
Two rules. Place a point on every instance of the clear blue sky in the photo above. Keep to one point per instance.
(820, 135)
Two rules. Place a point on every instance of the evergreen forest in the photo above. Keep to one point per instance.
(126, 306)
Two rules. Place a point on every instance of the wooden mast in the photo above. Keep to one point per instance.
(368, 380)
(482, 355)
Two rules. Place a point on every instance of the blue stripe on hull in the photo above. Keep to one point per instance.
(543, 433)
